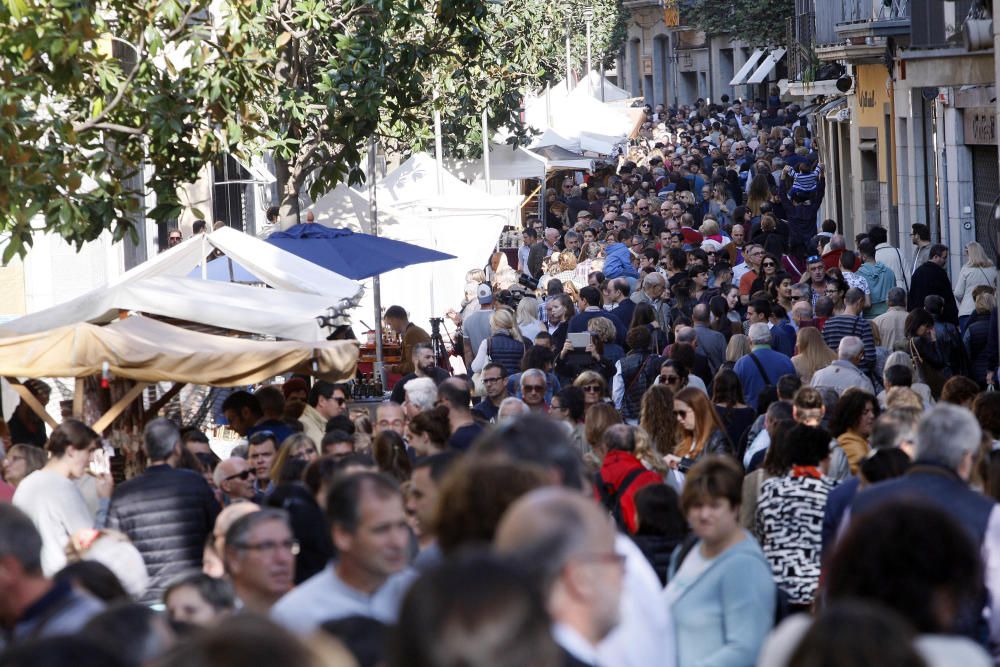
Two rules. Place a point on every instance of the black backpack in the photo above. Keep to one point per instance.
(611, 498)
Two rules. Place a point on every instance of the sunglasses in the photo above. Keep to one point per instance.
(671, 379)
(771, 264)
(813, 258)
(592, 388)
(533, 388)
(245, 475)
(681, 414)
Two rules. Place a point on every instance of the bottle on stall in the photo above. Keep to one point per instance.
(379, 389)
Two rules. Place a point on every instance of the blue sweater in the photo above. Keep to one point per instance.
(618, 262)
(721, 619)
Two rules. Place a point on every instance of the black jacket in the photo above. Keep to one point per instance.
(657, 549)
(167, 514)
(308, 527)
(929, 278)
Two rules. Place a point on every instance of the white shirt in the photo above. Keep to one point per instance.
(645, 632)
(57, 508)
(324, 597)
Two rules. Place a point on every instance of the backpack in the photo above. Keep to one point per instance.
(611, 498)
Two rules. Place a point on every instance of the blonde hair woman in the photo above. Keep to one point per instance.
(527, 318)
(812, 353)
(504, 346)
(738, 347)
(978, 270)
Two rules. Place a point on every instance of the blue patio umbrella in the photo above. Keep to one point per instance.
(351, 254)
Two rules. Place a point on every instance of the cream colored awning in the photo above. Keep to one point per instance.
(146, 350)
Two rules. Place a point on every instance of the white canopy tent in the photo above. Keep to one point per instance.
(578, 122)
(159, 286)
(591, 85)
(462, 220)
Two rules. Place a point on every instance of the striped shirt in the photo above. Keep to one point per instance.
(805, 182)
(851, 325)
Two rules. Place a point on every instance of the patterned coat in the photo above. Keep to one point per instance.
(790, 523)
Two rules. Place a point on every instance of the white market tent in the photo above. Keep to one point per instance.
(592, 83)
(578, 121)
(302, 291)
(462, 220)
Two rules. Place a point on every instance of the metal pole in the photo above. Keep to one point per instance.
(438, 150)
(376, 285)
(569, 68)
(486, 153)
(588, 13)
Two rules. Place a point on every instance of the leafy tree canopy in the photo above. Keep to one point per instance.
(92, 91)
(756, 22)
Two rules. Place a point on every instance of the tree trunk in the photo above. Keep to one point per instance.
(288, 202)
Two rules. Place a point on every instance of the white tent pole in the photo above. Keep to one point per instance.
(204, 257)
(376, 286)
(486, 154)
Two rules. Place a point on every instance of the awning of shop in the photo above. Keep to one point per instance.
(767, 66)
(808, 109)
(832, 108)
(748, 67)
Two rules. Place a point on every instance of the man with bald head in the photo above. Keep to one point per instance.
(567, 546)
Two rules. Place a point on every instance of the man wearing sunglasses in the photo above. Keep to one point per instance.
(235, 478)
(326, 400)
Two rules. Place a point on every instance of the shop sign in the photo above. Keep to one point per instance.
(981, 126)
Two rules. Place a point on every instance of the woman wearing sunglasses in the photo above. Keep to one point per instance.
(700, 431)
(594, 387)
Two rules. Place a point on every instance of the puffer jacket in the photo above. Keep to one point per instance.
(167, 514)
(615, 468)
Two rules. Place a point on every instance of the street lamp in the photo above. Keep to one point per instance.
(588, 16)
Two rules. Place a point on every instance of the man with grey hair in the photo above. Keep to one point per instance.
(421, 394)
(802, 314)
(260, 558)
(891, 324)
(534, 386)
(763, 366)
(510, 409)
(166, 512)
(235, 478)
(566, 546)
(653, 292)
(948, 439)
(845, 371)
(31, 605)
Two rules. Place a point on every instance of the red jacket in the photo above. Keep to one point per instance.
(617, 465)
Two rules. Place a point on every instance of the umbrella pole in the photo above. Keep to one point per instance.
(376, 286)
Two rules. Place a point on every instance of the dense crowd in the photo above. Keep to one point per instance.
(695, 428)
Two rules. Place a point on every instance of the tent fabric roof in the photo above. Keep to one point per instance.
(226, 305)
(159, 286)
(591, 85)
(146, 350)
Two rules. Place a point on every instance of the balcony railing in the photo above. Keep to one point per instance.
(874, 10)
(934, 22)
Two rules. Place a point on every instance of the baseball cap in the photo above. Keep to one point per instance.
(484, 293)
(584, 214)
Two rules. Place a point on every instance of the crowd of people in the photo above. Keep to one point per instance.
(695, 428)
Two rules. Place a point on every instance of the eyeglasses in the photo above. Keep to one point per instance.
(271, 546)
(533, 388)
(592, 388)
(245, 475)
